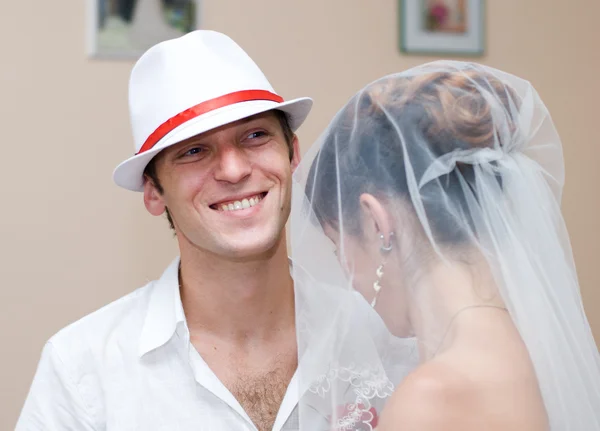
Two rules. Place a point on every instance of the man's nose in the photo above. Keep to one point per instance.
(233, 164)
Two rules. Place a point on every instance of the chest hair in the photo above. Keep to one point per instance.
(258, 381)
(261, 392)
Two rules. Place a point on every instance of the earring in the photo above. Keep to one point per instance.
(379, 271)
(386, 248)
(377, 285)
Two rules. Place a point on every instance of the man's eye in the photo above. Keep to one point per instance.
(193, 151)
(255, 135)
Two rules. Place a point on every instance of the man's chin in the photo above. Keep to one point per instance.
(253, 250)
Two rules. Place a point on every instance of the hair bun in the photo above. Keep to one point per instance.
(472, 108)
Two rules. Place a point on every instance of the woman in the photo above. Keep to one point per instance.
(439, 189)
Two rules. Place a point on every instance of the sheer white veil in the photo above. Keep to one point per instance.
(469, 166)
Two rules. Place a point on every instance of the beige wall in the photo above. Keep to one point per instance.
(70, 241)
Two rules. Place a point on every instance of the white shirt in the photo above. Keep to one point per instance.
(131, 366)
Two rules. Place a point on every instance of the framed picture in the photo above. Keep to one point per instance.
(442, 27)
(127, 28)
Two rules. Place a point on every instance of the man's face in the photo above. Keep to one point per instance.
(228, 190)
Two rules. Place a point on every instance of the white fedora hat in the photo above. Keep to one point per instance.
(190, 85)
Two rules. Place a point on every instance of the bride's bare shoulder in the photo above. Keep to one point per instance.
(466, 394)
(435, 396)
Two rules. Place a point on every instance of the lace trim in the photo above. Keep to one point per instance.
(366, 383)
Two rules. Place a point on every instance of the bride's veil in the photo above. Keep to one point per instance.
(469, 159)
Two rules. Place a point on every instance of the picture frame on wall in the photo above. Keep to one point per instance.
(125, 29)
(442, 27)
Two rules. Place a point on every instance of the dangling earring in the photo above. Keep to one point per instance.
(379, 272)
(376, 285)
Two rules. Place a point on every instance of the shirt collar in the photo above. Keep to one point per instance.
(164, 311)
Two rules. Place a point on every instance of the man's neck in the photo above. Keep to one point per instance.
(244, 301)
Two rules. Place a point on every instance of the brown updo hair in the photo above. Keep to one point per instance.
(424, 115)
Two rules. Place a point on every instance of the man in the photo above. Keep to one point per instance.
(211, 345)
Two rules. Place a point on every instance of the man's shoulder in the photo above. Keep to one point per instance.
(113, 323)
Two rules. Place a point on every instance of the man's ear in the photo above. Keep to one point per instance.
(376, 218)
(153, 200)
(296, 156)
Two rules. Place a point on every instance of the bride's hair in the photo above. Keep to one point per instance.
(427, 116)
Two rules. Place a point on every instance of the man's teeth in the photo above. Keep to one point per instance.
(240, 205)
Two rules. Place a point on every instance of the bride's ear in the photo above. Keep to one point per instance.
(376, 218)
